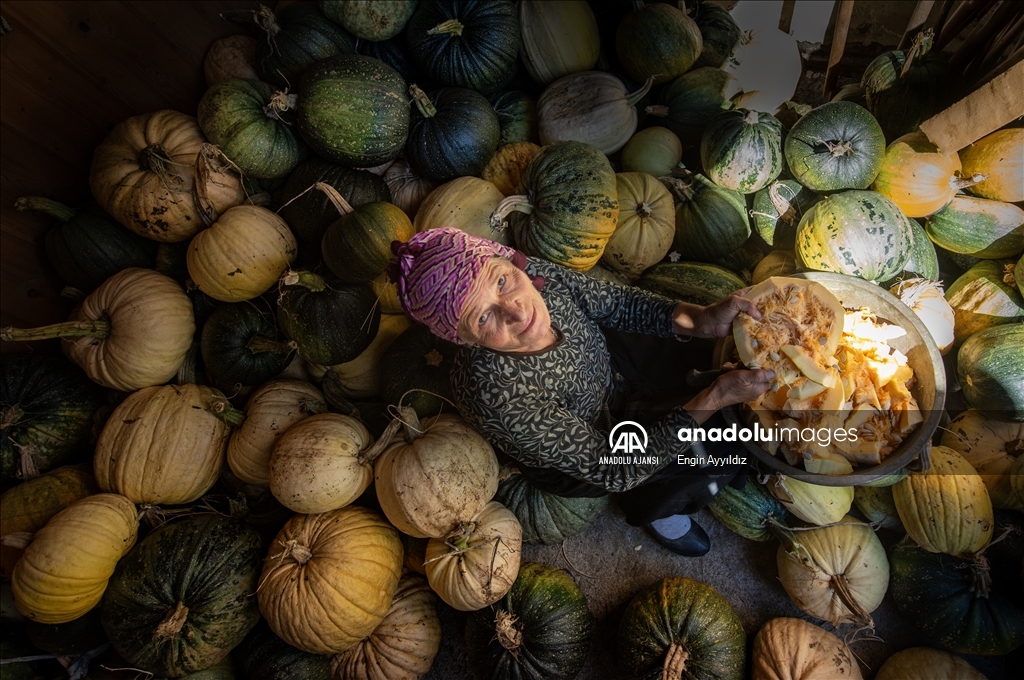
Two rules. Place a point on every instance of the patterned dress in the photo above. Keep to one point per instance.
(543, 409)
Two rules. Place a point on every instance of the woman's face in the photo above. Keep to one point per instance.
(503, 311)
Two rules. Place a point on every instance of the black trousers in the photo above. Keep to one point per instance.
(652, 373)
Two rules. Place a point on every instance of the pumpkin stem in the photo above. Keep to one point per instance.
(638, 5)
(406, 416)
(50, 207)
(632, 99)
(787, 211)
(267, 20)
(336, 397)
(258, 343)
(313, 282)
(27, 468)
(1008, 273)
(681, 190)
(279, 103)
(675, 663)
(340, 204)
(221, 407)
(508, 633)
(459, 537)
(959, 183)
(96, 328)
(450, 27)
(72, 293)
(18, 540)
(842, 588)
(657, 110)
(508, 206)
(644, 210)
(838, 149)
(752, 118)
(422, 101)
(922, 46)
(173, 622)
(213, 167)
(154, 158)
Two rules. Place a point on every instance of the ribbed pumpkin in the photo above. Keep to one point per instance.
(65, 569)
(812, 503)
(294, 38)
(357, 246)
(775, 263)
(330, 579)
(694, 282)
(571, 206)
(416, 371)
(927, 663)
(46, 409)
(742, 150)
(441, 475)
(947, 508)
(690, 101)
(654, 150)
(507, 166)
(240, 345)
(547, 518)
(201, 606)
(924, 260)
(711, 221)
(371, 21)
(658, 41)
(270, 411)
(838, 573)
(559, 38)
(454, 132)
(990, 369)
(1000, 158)
(877, 506)
(465, 203)
(517, 117)
(981, 299)
(858, 233)
(991, 447)
(405, 643)
(476, 563)
(143, 174)
(679, 627)
(978, 227)
(793, 649)
(165, 444)
(131, 332)
(540, 629)
(264, 656)
(361, 377)
(85, 247)
(747, 511)
(229, 58)
(919, 178)
(926, 299)
(778, 209)
(408, 189)
(646, 224)
(592, 107)
(320, 463)
(767, 66)
(838, 145)
(720, 35)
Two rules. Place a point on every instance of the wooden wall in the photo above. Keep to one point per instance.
(69, 72)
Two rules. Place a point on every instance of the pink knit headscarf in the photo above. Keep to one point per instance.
(434, 271)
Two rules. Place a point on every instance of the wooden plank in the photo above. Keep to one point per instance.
(786, 17)
(964, 14)
(984, 111)
(917, 20)
(838, 47)
(29, 169)
(1005, 13)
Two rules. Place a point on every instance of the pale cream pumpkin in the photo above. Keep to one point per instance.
(230, 57)
(812, 502)
(270, 411)
(465, 203)
(793, 649)
(507, 166)
(242, 255)
(360, 378)
(441, 475)
(329, 579)
(991, 447)
(405, 643)
(647, 224)
(407, 188)
(165, 444)
(65, 569)
(321, 463)
(476, 563)
(928, 301)
(144, 175)
(926, 663)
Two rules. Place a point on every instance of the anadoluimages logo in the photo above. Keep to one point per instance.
(626, 438)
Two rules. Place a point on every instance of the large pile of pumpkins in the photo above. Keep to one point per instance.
(272, 440)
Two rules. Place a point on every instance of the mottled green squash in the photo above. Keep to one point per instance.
(877, 505)
(990, 370)
(695, 282)
(748, 511)
(657, 40)
(264, 656)
(545, 517)
(711, 221)
(296, 37)
(370, 21)
(981, 299)
(778, 209)
(978, 227)
(923, 262)
(720, 35)
(357, 246)
(28, 506)
(453, 133)
(517, 117)
(838, 145)
(742, 150)
(690, 101)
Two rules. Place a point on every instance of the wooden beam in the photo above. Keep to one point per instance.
(964, 14)
(982, 112)
(838, 47)
(1010, 33)
(786, 17)
(985, 33)
(920, 15)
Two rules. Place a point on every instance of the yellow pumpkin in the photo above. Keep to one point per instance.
(407, 188)
(794, 649)
(946, 509)
(926, 663)
(775, 263)
(507, 167)
(465, 203)
(477, 563)
(646, 226)
(991, 447)
(65, 569)
(330, 579)
(387, 294)
(242, 254)
(1000, 158)
(927, 300)
(360, 378)
(144, 175)
(165, 444)
(919, 178)
(270, 411)
(812, 503)
(320, 464)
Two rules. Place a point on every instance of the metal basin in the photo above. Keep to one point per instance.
(922, 355)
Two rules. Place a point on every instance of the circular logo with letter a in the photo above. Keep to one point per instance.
(628, 437)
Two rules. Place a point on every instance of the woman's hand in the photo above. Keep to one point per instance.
(732, 387)
(713, 321)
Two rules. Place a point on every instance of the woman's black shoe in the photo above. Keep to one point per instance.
(693, 543)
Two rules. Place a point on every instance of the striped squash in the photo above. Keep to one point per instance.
(696, 282)
(742, 150)
(990, 369)
(711, 221)
(1000, 158)
(778, 208)
(981, 298)
(978, 227)
(646, 224)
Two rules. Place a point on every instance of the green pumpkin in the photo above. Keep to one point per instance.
(394, 53)
(978, 227)
(46, 410)
(465, 43)
(923, 262)
(353, 110)
(420, 361)
(240, 346)
(990, 370)
(546, 518)
(85, 246)
(877, 505)
(748, 511)
(331, 321)
(690, 101)
(654, 150)
(453, 133)
(68, 639)
(294, 38)
(900, 100)
(838, 145)
(778, 209)
(540, 629)
(981, 298)
(357, 247)
(720, 35)
(264, 656)
(711, 221)
(571, 206)
(184, 597)
(370, 21)
(853, 92)
(684, 626)
(517, 117)
(110, 666)
(658, 41)
(858, 233)
(695, 282)
(252, 123)
(742, 150)
(951, 600)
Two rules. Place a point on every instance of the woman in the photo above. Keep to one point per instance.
(551, 359)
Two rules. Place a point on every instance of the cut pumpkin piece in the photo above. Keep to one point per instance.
(821, 460)
(828, 400)
(808, 366)
(908, 418)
